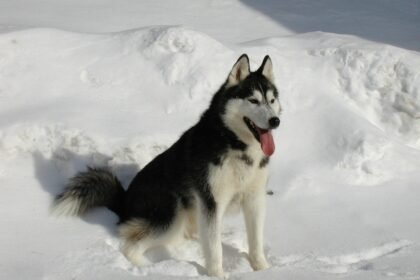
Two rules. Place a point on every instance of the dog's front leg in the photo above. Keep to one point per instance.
(210, 223)
(254, 213)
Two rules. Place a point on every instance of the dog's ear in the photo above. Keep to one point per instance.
(266, 69)
(239, 71)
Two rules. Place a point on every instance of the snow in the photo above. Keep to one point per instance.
(115, 83)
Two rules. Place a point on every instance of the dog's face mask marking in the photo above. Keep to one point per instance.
(253, 108)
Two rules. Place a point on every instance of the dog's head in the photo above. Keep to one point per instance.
(252, 108)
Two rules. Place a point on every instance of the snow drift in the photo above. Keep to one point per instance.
(345, 177)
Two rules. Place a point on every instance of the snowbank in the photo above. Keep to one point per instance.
(345, 176)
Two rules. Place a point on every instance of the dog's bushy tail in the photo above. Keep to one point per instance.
(92, 188)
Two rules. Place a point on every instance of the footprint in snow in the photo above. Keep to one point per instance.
(342, 264)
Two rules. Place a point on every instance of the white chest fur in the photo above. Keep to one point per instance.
(239, 173)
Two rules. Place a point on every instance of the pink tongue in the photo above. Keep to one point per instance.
(267, 142)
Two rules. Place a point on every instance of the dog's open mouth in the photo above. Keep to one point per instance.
(263, 136)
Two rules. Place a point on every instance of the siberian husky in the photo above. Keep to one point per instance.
(219, 161)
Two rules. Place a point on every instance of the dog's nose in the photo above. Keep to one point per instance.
(274, 122)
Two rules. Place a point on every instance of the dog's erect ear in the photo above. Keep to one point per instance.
(266, 69)
(239, 71)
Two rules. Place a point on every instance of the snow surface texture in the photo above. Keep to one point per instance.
(345, 178)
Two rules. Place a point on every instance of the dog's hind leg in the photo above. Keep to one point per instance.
(138, 236)
(191, 228)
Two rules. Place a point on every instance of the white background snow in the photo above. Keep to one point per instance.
(116, 82)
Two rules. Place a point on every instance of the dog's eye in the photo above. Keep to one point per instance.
(272, 101)
(254, 101)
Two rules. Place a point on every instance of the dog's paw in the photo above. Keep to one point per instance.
(258, 262)
(215, 272)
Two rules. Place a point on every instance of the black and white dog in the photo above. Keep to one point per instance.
(220, 161)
